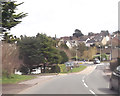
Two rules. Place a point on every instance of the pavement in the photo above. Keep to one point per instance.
(107, 71)
(16, 88)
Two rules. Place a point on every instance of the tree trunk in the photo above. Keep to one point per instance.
(44, 67)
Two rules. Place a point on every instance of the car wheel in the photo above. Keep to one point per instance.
(110, 85)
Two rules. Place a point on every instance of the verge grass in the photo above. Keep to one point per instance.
(13, 79)
(77, 69)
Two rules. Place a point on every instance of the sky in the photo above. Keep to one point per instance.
(62, 17)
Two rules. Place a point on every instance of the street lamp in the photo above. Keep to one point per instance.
(76, 54)
(111, 48)
(76, 51)
(100, 52)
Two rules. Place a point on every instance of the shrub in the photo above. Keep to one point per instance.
(55, 69)
(6, 74)
(62, 68)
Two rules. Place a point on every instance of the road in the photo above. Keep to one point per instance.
(91, 81)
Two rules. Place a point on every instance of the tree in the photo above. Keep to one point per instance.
(64, 57)
(39, 50)
(77, 33)
(9, 16)
(90, 34)
(104, 32)
(89, 54)
(63, 45)
(80, 49)
(9, 38)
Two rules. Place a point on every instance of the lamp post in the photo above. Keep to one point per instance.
(76, 51)
(76, 54)
(100, 52)
(111, 48)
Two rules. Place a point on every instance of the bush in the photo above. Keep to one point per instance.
(114, 64)
(6, 74)
(62, 68)
(55, 69)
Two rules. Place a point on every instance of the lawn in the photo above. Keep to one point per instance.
(63, 69)
(16, 79)
(78, 69)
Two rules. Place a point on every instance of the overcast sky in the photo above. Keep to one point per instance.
(62, 17)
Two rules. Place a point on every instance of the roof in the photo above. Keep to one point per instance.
(98, 38)
(91, 41)
(83, 38)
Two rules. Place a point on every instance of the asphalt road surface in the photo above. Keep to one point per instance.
(89, 82)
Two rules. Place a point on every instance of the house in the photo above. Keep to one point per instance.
(90, 42)
(83, 39)
(72, 43)
(69, 44)
(105, 40)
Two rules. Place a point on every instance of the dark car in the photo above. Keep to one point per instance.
(115, 80)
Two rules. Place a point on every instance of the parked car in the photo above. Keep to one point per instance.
(69, 64)
(115, 79)
(96, 61)
(36, 71)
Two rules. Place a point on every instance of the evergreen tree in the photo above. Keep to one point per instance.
(9, 16)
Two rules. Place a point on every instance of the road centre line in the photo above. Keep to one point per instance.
(85, 85)
(83, 80)
(92, 92)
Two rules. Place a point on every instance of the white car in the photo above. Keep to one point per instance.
(97, 61)
(36, 71)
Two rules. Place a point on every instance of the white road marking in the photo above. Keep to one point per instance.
(85, 85)
(92, 92)
(83, 81)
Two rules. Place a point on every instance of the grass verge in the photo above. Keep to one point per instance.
(16, 79)
(78, 69)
